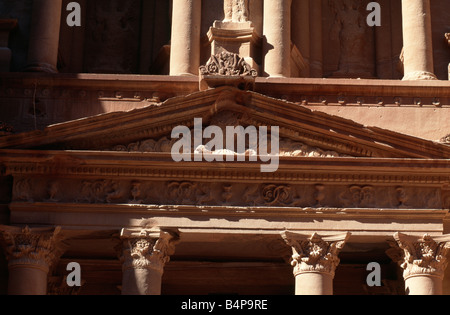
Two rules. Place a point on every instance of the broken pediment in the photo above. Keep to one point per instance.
(302, 132)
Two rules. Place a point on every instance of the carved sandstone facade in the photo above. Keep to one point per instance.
(87, 173)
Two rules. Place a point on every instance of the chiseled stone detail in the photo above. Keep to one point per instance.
(424, 256)
(315, 253)
(147, 248)
(236, 10)
(227, 64)
(34, 247)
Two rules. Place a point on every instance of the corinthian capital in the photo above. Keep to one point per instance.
(315, 253)
(420, 255)
(39, 248)
(147, 248)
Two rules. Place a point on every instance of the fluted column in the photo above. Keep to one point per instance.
(423, 260)
(31, 253)
(315, 259)
(185, 43)
(44, 36)
(417, 40)
(144, 255)
(277, 34)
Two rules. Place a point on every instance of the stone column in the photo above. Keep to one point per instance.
(315, 259)
(316, 56)
(31, 253)
(301, 31)
(277, 38)
(144, 255)
(6, 26)
(423, 260)
(417, 40)
(44, 36)
(185, 43)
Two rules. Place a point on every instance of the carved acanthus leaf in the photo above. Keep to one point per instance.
(420, 256)
(315, 253)
(147, 248)
(39, 248)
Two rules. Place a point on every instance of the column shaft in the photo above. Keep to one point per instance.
(185, 43)
(316, 56)
(277, 33)
(423, 285)
(44, 36)
(26, 280)
(311, 283)
(417, 40)
(301, 31)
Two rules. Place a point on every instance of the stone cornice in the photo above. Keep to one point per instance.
(315, 253)
(161, 166)
(420, 256)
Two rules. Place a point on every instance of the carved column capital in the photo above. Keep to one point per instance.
(420, 256)
(36, 248)
(147, 248)
(315, 253)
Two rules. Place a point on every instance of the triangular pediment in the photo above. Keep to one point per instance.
(303, 132)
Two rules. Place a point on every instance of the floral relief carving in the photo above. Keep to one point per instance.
(147, 248)
(420, 256)
(358, 196)
(32, 247)
(100, 191)
(227, 64)
(315, 253)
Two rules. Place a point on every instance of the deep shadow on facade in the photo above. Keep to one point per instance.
(87, 173)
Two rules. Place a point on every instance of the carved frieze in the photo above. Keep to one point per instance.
(216, 193)
(315, 253)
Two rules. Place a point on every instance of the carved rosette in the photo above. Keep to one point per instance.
(37, 248)
(315, 253)
(147, 248)
(424, 256)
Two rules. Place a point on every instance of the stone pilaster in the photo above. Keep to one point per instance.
(417, 40)
(185, 43)
(144, 255)
(423, 260)
(315, 259)
(31, 253)
(44, 37)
